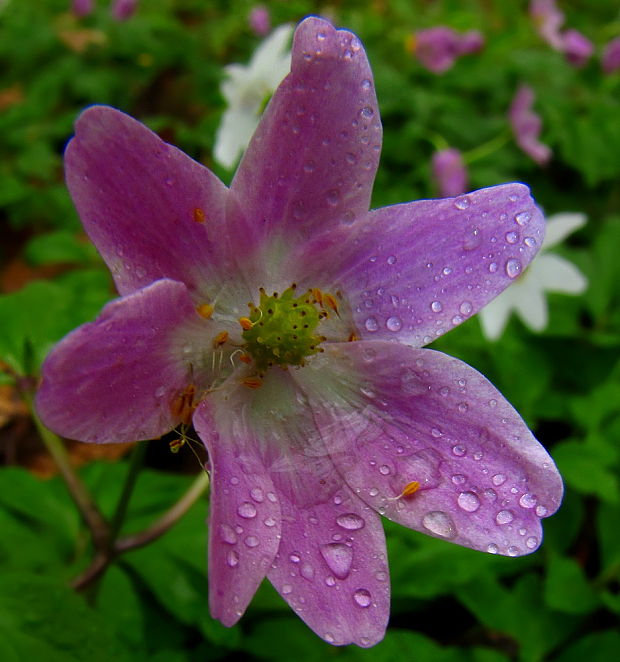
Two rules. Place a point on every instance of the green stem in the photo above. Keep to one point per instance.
(487, 148)
(168, 519)
(89, 511)
(137, 457)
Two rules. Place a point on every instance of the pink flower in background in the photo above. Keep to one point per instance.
(548, 20)
(577, 47)
(259, 20)
(449, 172)
(526, 125)
(611, 56)
(319, 407)
(438, 48)
(124, 9)
(82, 7)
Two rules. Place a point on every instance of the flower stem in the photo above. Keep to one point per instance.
(98, 526)
(137, 458)
(487, 148)
(168, 519)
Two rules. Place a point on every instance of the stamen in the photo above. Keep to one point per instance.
(220, 339)
(252, 382)
(205, 310)
(199, 215)
(330, 302)
(409, 489)
(183, 406)
(246, 323)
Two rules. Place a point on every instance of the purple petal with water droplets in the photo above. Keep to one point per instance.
(397, 415)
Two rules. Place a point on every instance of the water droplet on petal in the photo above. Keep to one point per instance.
(232, 558)
(492, 548)
(373, 491)
(365, 84)
(332, 196)
(512, 237)
(272, 497)
(247, 510)
(269, 522)
(459, 450)
(530, 242)
(362, 598)
(257, 494)
(228, 534)
(493, 267)
(472, 240)
(295, 557)
(330, 581)
(458, 479)
(513, 268)
(541, 511)
(523, 218)
(436, 306)
(513, 551)
(465, 308)
(498, 479)
(439, 523)
(286, 589)
(307, 572)
(371, 324)
(394, 323)
(367, 112)
(384, 470)
(338, 557)
(468, 501)
(350, 521)
(252, 541)
(504, 517)
(531, 542)
(528, 501)
(462, 203)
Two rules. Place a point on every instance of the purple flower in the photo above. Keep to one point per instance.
(123, 9)
(318, 406)
(611, 56)
(449, 172)
(526, 125)
(259, 20)
(548, 20)
(82, 7)
(577, 47)
(438, 48)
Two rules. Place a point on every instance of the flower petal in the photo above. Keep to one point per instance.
(556, 274)
(314, 155)
(244, 513)
(332, 570)
(115, 379)
(495, 315)
(151, 211)
(530, 301)
(392, 415)
(559, 226)
(411, 272)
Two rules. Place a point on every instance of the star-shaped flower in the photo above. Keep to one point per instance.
(547, 273)
(286, 321)
(245, 89)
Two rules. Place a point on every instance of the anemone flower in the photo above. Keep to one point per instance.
(245, 89)
(438, 48)
(449, 172)
(610, 60)
(319, 408)
(526, 125)
(547, 273)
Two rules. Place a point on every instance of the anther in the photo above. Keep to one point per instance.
(246, 323)
(252, 382)
(220, 339)
(205, 310)
(199, 215)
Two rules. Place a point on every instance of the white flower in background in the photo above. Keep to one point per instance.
(245, 89)
(548, 272)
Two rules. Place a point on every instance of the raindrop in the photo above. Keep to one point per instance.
(439, 523)
(436, 433)
(309, 166)
(365, 84)
(512, 237)
(391, 259)
(523, 218)
(458, 479)
(247, 510)
(528, 501)
(513, 551)
(461, 203)
(463, 407)
(465, 308)
(362, 598)
(444, 391)
(232, 558)
(394, 323)
(447, 271)
(472, 240)
(490, 494)
(337, 499)
(498, 479)
(492, 548)
(252, 541)
(228, 534)
(493, 267)
(504, 517)
(338, 557)
(351, 158)
(531, 542)
(478, 456)
(436, 306)
(350, 521)
(269, 522)
(373, 491)
(330, 581)
(530, 242)
(459, 450)
(272, 497)
(468, 501)
(295, 557)
(257, 494)
(381, 576)
(513, 268)
(307, 572)
(541, 511)
(286, 589)
(329, 637)
(371, 324)
(384, 470)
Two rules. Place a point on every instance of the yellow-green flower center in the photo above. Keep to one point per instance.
(281, 329)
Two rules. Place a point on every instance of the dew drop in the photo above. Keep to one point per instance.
(330, 581)
(512, 237)
(337, 499)
(468, 502)
(295, 557)
(531, 542)
(371, 324)
(504, 517)
(338, 557)
(365, 84)
(247, 510)
(530, 242)
(462, 203)
(492, 548)
(309, 166)
(436, 306)
(523, 218)
(394, 323)
(463, 407)
(257, 494)
(252, 541)
(307, 572)
(367, 112)
(528, 501)
(446, 271)
(350, 521)
(232, 558)
(227, 534)
(381, 576)
(493, 267)
(541, 511)
(458, 479)
(384, 470)
(272, 497)
(472, 240)
(329, 638)
(513, 268)
(459, 450)
(498, 479)
(269, 522)
(373, 491)
(439, 523)
(513, 551)
(332, 196)
(286, 589)
(362, 598)
(391, 259)
(465, 308)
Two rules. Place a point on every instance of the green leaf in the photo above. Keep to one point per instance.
(595, 647)
(567, 589)
(60, 246)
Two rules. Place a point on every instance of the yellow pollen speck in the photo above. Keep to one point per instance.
(410, 488)
(220, 339)
(199, 215)
(205, 310)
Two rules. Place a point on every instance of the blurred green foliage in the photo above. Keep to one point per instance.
(449, 604)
